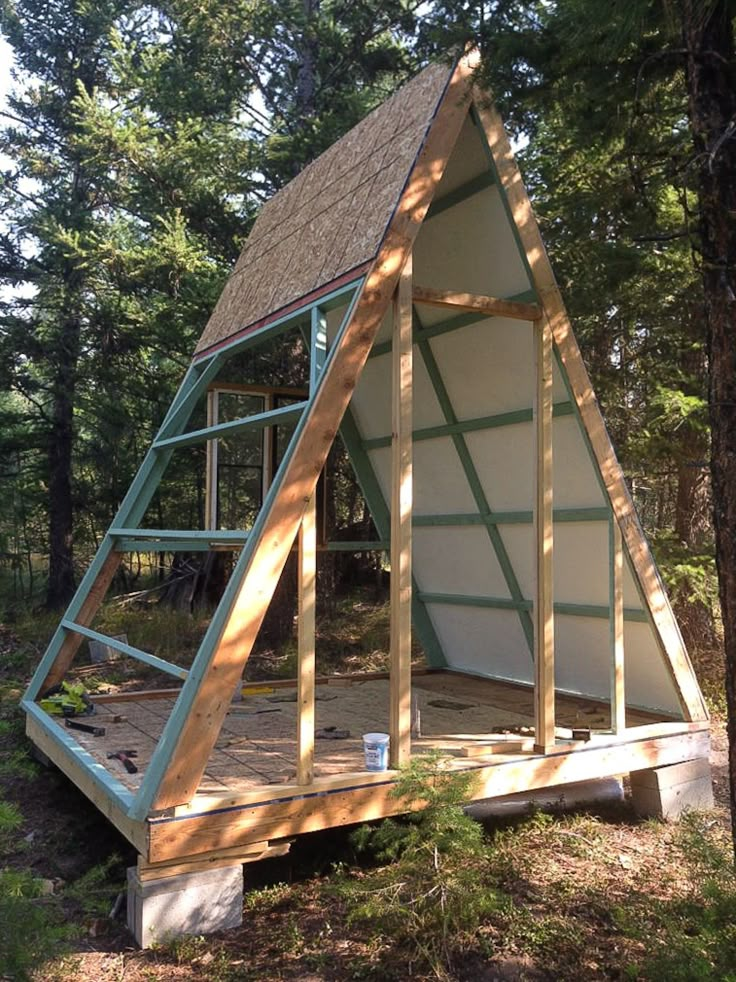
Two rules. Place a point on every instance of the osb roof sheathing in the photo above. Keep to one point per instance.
(332, 217)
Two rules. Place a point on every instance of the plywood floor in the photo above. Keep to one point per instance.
(257, 745)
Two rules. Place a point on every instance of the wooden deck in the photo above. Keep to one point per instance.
(257, 745)
(249, 803)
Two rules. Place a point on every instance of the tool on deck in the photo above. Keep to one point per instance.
(85, 727)
(124, 757)
(67, 699)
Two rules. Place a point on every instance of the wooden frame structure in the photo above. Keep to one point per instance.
(355, 308)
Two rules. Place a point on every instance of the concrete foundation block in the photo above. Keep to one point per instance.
(190, 903)
(668, 792)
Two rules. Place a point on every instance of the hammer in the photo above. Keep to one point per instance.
(124, 757)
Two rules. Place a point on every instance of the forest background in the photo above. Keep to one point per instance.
(140, 139)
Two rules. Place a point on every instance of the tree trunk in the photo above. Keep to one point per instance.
(708, 38)
(61, 441)
(306, 81)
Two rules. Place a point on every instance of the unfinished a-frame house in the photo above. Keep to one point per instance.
(407, 260)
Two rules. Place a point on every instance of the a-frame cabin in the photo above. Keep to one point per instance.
(408, 259)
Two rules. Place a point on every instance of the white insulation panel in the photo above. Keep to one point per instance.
(487, 642)
(469, 564)
(490, 361)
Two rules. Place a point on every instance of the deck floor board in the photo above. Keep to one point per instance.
(257, 744)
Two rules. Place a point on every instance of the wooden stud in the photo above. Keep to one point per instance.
(544, 631)
(642, 561)
(307, 598)
(401, 514)
(616, 628)
(192, 729)
(491, 306)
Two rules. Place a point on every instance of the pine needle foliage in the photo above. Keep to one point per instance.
(435, 887)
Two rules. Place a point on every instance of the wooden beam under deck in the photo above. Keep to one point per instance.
(365, 797)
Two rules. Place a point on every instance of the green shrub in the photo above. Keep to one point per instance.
(10, 821)
(435, 887)
(33, 928)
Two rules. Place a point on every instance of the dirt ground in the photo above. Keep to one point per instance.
(600, 857)
(575, 884)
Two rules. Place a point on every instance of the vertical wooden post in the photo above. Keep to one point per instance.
(401, 515)
(544, 630)
(307, 595)
(616, 626)
(210, 492)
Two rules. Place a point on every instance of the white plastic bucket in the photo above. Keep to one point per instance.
(375, 747)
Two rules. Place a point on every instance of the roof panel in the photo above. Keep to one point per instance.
(332, 217)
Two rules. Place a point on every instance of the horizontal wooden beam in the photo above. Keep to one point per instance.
(490, 306)
(471, 425)
(126, 649)
(258, 421)
(369, 797)
(455, 323)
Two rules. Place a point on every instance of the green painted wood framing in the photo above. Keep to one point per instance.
(461, 193)
(126, 649)
(471, 425)
(597, 611)
(130, 512)
(125, 532)
(184, 535)
(476, 488)
(257, 421)
(103, 780)
(513, 517)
